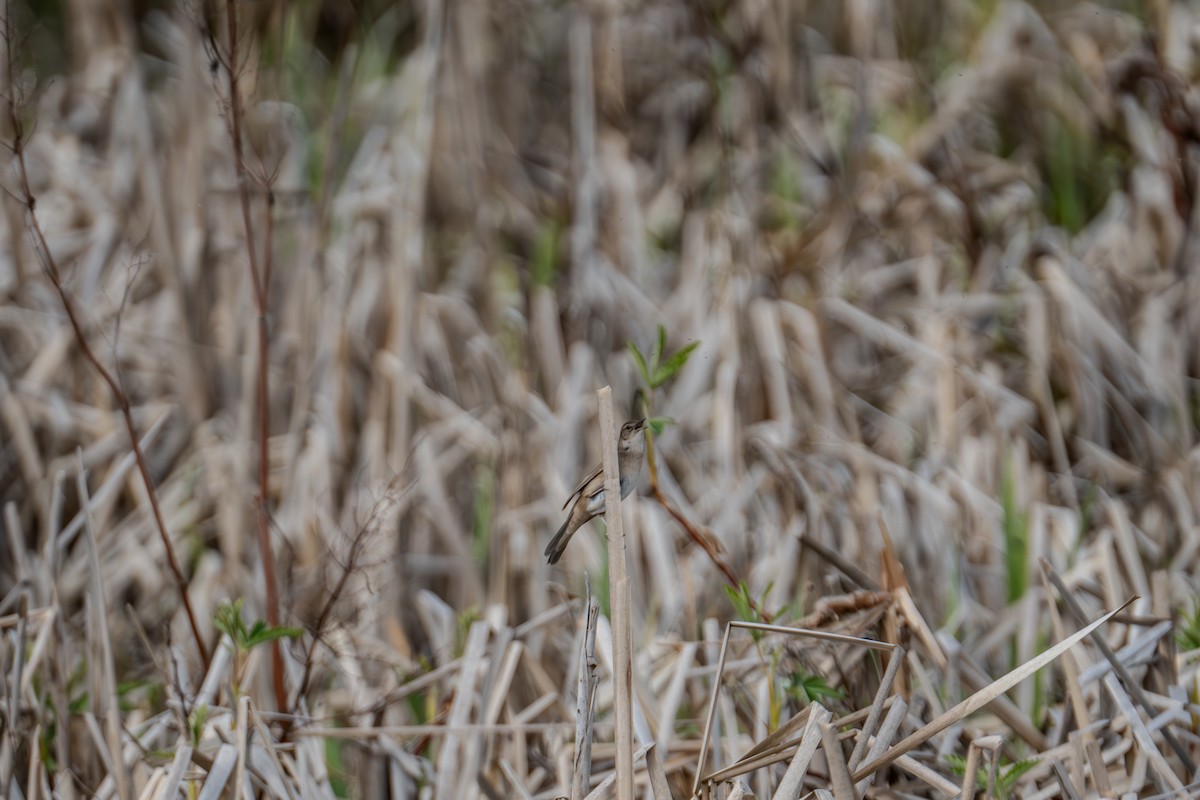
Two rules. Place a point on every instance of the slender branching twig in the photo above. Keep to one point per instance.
(50, 265)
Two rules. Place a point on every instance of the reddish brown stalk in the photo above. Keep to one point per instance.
(27, 198)
(708, 543)
(259, 282)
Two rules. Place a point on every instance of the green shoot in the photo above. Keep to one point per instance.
(466, 619)
(808, 688)
(544, 264)
(1007, 775)
(228, 620)
(196, 722)
(743, 604)
(1188, 634)
(1016, 535)
(656, 371)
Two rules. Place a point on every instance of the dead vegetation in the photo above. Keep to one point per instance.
(352, 279)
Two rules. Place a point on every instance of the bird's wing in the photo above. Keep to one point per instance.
(591, 476)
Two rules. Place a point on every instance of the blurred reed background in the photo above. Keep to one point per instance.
(939, 258)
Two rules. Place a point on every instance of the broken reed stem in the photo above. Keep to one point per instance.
(27, 199)
(619, 594)
(869, 728)
(581, 775)
(108, 702)
(981, 698)
(259, 281)
(848, 568)
(1132, 686)
(971, 772)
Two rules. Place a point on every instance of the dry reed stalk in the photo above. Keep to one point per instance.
(107, 703)
(871, 725)
(515, 780)
(981, 698)
(622, 634)
(793, 779)
(1132, 686)
(585, 694)
(835, 760)
(971, 770)
(1069, 791)
(765, 752)
(886, 735)
(222, 767)
(975, 680)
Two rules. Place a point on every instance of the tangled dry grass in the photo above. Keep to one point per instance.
(939, 258)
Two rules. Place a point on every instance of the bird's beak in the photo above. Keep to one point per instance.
(641, 423)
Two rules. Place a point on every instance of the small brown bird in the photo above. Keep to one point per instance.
(589, 494)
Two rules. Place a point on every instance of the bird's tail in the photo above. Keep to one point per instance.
(558, 545)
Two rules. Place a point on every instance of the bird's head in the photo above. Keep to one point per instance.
(632, 433)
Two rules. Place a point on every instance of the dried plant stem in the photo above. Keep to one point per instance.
(971, 772)
(980, 699)
(1131, 685)
(108, 702)
(260, 281)
(585, 694)
(619, 592)
(27, 199)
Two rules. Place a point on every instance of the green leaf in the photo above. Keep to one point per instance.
(125, 687)
(466, 619)
(672, 365)
(1016, 534)
(418, 706)
(1006, 777)
(545, 254)
(807, 688)
(658, 424)
(743, 603)
(739, 598)
(228, 620)
(484, 511)
(196, 724)
(46, 747)
(262, 633)
(158, 756)
(640, 360)
(660, 347)
(1012, 773)
(1187, 636)
(339, 777)
(602, 587)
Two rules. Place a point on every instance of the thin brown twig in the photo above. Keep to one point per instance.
(371, 526)
(707, 541)
(50, 265)
(259, 281)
